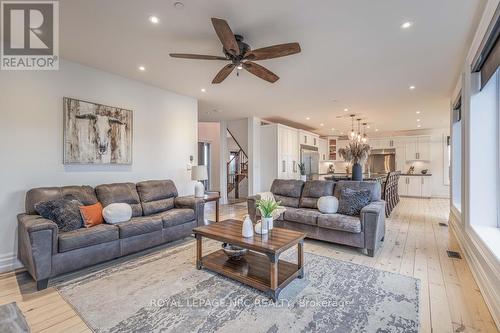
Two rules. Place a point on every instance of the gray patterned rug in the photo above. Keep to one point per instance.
(12, 319)
(163, 292)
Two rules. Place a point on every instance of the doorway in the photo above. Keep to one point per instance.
(204, 159)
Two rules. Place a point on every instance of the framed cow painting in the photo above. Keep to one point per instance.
(96, 133)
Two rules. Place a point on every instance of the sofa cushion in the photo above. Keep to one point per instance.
(373, 186)
(302, 215)
(328, 204)
(64, 212)
(117, 213)
(140, 225)
(287, 191)
(351, 202)
(157, 195)
(314, 189)
(84, 237)
(84, 194)
(177, 216)
(120, 193)
(340, 222)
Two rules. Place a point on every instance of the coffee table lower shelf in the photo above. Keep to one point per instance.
(254, 269)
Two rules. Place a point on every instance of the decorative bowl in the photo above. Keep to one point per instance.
(424, 171)
(233, 252)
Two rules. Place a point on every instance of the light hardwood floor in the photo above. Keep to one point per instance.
(415, 245)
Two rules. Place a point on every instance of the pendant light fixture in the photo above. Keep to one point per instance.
(358, 136)
(352, 135)
(365, 137)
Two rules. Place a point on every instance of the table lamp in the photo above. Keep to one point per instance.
(199, 172)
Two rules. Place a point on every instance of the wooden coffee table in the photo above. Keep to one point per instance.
(261, 267)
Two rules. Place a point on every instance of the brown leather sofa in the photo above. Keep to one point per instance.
(365, 231)
(159, 216)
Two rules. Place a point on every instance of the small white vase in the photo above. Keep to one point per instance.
(247, 229)
(259, 230)
(268, 222)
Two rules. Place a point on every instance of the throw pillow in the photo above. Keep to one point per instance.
(65, 213)
(351, 201)
(328, 204)
(92, 215)
(117, 212)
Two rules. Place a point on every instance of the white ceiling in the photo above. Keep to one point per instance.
(354, 55)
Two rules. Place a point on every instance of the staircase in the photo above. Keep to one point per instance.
(237, 170)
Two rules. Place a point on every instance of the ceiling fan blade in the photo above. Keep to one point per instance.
(226, 36)
(274, 51)
(196, 56)
(260, 71)
(223, 73)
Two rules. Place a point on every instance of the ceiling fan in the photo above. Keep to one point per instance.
(241, 55)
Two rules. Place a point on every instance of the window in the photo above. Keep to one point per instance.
(484, 151)
(455, 153)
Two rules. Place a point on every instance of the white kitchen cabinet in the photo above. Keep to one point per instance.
(382, 143)
(308, 138)
(323, 149)
(426, 191)
(418, 148)
(415, 186)
(279, 154)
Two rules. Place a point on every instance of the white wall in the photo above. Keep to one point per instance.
(239, 129)
(210, 133)
(31, 137)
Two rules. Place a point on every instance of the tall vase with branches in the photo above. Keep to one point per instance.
(356, 153)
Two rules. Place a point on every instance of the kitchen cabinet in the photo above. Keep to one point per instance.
(323, 149)
(415, 186)
(308, 138)
(279, 153)
(382, 143)
(418, 148)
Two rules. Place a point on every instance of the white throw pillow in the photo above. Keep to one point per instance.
(117, 212)
(328, 204)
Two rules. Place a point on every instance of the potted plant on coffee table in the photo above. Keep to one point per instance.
(266, 209)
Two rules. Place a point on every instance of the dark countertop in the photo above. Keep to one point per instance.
(345, 176)
(416, 174)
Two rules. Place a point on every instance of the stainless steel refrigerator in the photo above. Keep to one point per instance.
(309, 155)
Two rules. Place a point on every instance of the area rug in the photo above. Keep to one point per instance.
(163, 292)
(12, 319)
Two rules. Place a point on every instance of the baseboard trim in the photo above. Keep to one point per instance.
(480, 263)
(9, 262)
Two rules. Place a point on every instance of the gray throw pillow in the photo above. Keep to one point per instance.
(64, 212)
(352, 201)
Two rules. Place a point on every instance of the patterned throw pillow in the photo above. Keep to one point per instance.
(64, 212)
(352, 201)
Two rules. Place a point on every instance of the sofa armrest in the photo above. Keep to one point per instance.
(373, 222)
(196, 204)
(37, 242)
(252, 207)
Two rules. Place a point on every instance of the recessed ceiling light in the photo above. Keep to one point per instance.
(307, 118)
(178, 4)
(406, 25)
(154, 19)
(346, 109)
(342, 133)
(368, 126)
(411, 87)
(321, 124)
(333, 129)
(419, 126)
(418, 119)
(142, 68)
(418, 112)
(203, 90)
(376, 129)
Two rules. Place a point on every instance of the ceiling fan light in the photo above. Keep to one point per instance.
(240, 66)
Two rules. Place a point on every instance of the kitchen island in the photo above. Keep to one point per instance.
(379, 177)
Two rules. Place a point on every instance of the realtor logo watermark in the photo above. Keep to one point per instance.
(30, 35)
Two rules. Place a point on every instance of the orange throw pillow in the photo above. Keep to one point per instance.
(92, 215)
